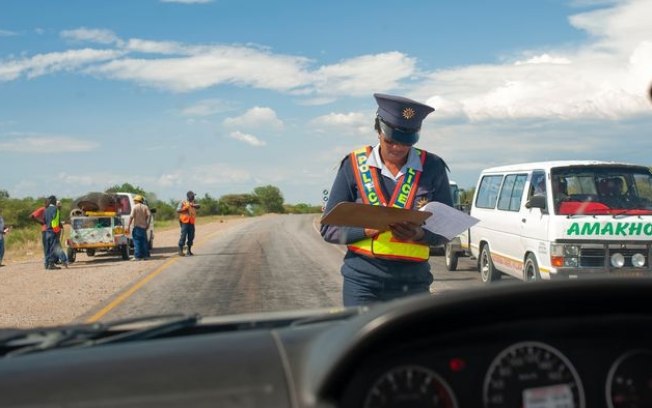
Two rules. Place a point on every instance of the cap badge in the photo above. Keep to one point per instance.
(408, 113)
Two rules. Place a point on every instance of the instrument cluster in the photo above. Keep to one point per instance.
(536, 372)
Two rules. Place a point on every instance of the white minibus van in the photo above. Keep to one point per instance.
(563, 219)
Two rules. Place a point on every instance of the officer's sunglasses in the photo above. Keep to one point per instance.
(391, 134)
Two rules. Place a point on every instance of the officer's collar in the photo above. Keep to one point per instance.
(413, 160)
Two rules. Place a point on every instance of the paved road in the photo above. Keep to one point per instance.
(264, 264)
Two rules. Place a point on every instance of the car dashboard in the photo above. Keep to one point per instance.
(543, 344)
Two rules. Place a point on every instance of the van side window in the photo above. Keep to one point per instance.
(511, 193)
(488, 191)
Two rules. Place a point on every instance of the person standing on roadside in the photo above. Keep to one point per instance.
(60, 254)
(39, 216)
(3, 230)
(140, 217)
(187, 211)
(52, 229)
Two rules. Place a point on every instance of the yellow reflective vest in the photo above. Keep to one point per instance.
(384, 245)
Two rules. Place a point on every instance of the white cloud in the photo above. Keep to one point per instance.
(7, 33)
(101, 36)
(207, 107)
(247, 138)
(219, 65)
(605, 79)
(42, 64)
(169, 179)
(365, 74)
(345, 123)
(156, 47)
(76, 179)
(37, 144)
(217, 174)
(256, 118)
(544, 59)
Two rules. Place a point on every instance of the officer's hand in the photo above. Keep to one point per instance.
(407, 231)
(368, 232)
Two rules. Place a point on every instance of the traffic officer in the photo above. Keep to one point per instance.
(187, 211)
(384, 265)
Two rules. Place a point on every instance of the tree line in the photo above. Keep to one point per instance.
(264, 199)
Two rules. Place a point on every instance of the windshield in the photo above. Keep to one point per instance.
(213, 157)
(602, 190)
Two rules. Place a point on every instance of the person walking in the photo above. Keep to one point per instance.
(384, 265)
(3, 230)
(140, 217)
(187, 211)
(38, 216)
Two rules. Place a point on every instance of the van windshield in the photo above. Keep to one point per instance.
(124, 206)
(599, 190)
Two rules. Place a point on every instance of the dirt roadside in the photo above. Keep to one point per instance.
(31, 296)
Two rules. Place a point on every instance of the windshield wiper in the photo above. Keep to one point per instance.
(33, 341)
(624, 213)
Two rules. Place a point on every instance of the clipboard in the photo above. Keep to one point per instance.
(371, 216)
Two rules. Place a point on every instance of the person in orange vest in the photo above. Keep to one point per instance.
(384, 265)
(187, 211)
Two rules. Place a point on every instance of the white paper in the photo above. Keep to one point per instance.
(447, 221)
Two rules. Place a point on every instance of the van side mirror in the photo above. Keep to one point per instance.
(536, 201)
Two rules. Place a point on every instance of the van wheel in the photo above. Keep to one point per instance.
(90, 252)
(488, 273)
(451, 258)
(531, 269)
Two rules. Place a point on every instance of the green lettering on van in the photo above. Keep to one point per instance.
(621, 228)
(647, 229)
(574, 229)
(635, 228)
(607, 229)
(591, 228)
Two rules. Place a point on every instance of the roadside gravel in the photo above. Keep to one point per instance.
(31, 296)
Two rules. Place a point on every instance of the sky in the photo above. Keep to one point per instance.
(223, 96)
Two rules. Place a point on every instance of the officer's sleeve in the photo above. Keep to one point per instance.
(440, 192)
(344, 190)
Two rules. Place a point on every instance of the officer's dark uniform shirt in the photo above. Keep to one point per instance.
(433, 186)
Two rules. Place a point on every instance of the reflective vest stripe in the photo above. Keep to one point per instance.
(55, 224)
(384, 245)
(365, 178)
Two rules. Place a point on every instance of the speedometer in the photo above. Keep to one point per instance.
(532, 374)
(629, 383)
(410, 386)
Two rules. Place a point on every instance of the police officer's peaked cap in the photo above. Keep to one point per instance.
(401, 116)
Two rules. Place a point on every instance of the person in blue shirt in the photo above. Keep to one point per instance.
(385, 265)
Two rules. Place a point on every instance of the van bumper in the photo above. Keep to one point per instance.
(587, 273)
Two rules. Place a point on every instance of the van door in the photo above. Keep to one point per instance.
(507, 251)
(534, 225)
